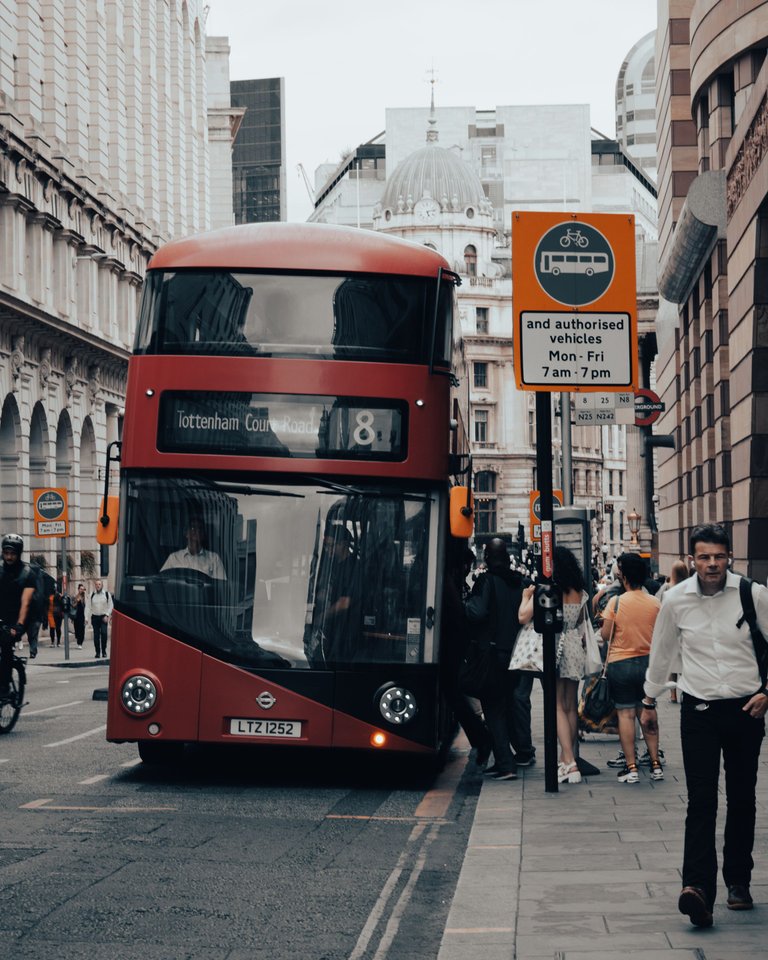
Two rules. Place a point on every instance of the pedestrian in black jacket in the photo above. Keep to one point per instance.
(492, 612)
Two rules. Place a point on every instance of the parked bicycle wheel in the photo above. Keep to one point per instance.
(10, 706)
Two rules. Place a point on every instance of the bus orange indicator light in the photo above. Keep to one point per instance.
(378, 739)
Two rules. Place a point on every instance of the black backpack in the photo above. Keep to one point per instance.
(749, 614)
(38, 606)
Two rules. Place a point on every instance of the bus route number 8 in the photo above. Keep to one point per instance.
(364, 434)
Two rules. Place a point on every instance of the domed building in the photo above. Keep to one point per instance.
(433, 189)
(434, 198)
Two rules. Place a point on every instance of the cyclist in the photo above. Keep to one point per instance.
(16, 591)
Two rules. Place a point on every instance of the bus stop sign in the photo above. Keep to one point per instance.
(574, 302)
(50, 506)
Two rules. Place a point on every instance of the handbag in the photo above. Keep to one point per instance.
(596, 706)
(478, 674)
(528, 653)
(479, 670)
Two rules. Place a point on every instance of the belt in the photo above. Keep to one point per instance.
(697, 702)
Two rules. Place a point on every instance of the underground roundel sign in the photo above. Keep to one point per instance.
(574, 263)
(50, 505)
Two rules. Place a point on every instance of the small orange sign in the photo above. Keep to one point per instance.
(575, 301)
(535, 506)
(51, 513)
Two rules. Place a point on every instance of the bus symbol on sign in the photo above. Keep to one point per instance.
(50, 508)
(50, 505)
(574, 263)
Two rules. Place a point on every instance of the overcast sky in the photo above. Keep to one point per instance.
(345, 62)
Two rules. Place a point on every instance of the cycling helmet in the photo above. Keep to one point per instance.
(12, 541)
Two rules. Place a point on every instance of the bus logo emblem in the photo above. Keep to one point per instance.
(574, 263)
(265, 700)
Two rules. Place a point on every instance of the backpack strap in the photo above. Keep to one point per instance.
(749, 614)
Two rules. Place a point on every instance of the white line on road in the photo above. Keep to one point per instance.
(96, 779)
(80, 736)
(5, 760)
(132, 763)
(61, 706)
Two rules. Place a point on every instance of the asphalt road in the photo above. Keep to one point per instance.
(235, 855)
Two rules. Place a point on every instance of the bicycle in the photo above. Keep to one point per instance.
(12, 702)
(574, 236)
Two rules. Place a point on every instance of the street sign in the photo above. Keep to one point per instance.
(574, 298)
(648, 407)
(50, 507)
(603, 408)
(535, 508)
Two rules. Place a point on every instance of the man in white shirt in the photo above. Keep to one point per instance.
(195, 556)
(724, 701)
(100, 610)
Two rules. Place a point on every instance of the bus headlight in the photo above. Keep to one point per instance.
(397, 705)
(138, 695)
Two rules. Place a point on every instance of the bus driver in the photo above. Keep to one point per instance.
(195, 556)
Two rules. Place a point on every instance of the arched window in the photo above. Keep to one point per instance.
(485, 502)
(470, 260)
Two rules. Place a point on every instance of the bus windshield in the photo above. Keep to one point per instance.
(218, 313)
(307, 575)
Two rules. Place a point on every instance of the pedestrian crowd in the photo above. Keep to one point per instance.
(697, 636)
(32, 602)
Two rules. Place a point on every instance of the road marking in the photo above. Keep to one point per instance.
(437, 800)
(365, 816)
(61, 706)
(80, 736)
(62, 681)
(131, 763)
(424, 838)
(5, 760)
(46, 805)
(96, 779)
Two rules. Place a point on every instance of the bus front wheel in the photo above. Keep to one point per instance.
(161, 752)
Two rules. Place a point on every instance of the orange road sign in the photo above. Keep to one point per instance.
(50, 506)
(575, 301)
(535, 507)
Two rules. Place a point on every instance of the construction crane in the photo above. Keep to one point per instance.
(307, 184)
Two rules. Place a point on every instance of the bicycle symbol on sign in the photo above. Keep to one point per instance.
(574, 236)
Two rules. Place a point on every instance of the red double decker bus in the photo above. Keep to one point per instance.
(284, 495)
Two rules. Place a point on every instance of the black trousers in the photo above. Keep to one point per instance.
(508, 715)
(99, 635)
(707, 731)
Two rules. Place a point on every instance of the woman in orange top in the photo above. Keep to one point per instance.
(628, 622)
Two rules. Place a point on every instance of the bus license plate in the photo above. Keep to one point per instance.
(265, 728)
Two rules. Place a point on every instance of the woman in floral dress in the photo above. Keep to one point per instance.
(571, 656)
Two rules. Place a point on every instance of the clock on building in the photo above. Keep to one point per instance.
(426, 210)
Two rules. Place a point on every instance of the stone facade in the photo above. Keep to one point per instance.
(713, 175)
(103, 155)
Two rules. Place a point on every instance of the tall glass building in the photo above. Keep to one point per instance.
(258, 158)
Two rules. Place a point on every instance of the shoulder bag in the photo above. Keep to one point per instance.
(596, 707)
(478, 674)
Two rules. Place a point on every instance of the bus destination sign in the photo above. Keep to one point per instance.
(282, 425)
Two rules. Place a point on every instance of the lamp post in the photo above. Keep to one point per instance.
(633, 519)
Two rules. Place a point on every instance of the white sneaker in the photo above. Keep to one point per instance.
(628, 775)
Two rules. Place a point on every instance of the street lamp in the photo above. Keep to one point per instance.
(633, 519)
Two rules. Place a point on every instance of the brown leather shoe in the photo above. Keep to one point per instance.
(739, 897)
(693, 903)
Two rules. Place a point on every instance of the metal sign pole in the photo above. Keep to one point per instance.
(64, 589)
(544, 478)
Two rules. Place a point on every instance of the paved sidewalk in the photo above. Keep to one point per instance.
(593, 872)
(48, 656)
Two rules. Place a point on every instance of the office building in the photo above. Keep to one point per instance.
(258, 157)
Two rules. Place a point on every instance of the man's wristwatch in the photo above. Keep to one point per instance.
(648, 704)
